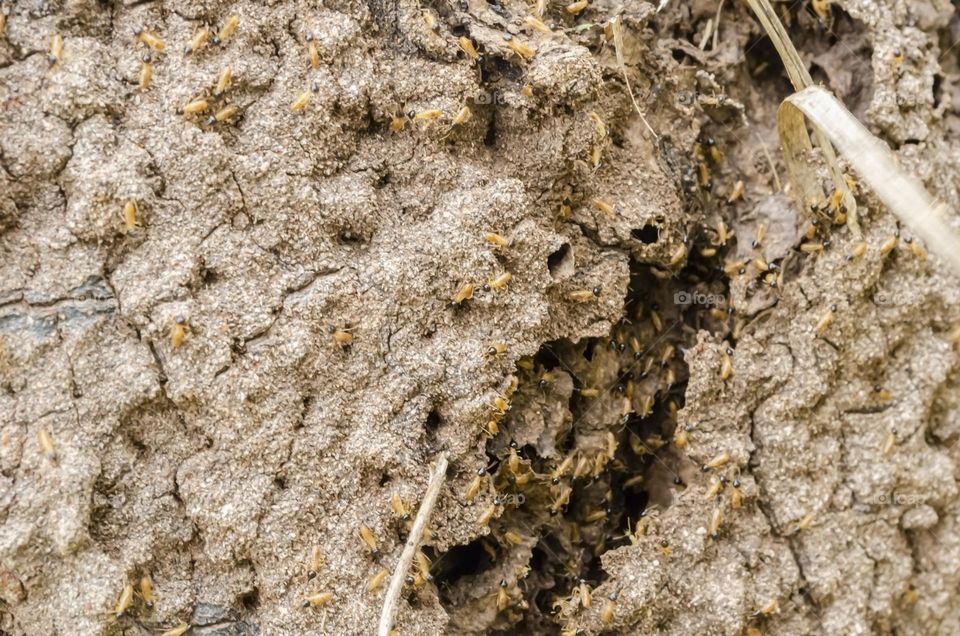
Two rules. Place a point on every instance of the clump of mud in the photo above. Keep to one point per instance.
(240, 319)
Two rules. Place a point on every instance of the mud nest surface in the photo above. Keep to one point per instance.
(242, 313)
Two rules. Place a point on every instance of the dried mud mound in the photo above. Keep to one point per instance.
(242, 313)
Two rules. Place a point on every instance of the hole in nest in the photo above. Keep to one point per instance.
(648, 234)
(597, 476)
(459, 562)
(250, 600)
(385, 479)
(560, 264)
(432, 424)
(490, 137)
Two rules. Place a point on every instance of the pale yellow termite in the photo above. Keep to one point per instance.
(466, 44)
(56, 49)
(301, 101)
(146, 73)
(150, 40)
(317, 600)
(196, 106)
(130, 216)
(229, 28)
(377, 580)
(200, 38)
(224, 81)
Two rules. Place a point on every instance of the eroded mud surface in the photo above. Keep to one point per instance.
(639, 343)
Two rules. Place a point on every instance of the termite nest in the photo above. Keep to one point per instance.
(584, 453)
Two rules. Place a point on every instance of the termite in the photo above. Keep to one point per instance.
(399, 509)
(428, 115)
(423, 566)
(726, 366)
(512, 538)
(716, 520)
(678, 255)
(888, 245)
(430, 21)
(656, 321)
(859, 249)
(56, 49)
(770, 607)
(581, 296)
(609, 609)
(826, 320)
(520, 48)
(736, 495)
(150, 40)
(301, 101)
(146, 72)
(723, 234)
(604, 206)
(123, 603)
(716, 486)
(312, 52)
(500, 282)
(576, 7)
(229, 28)
(466, 44)
(130, 215)
(341, 336)
(146, 591)
(583, 591)
(45, 440)
(370, 540)
(199, 39)
(761, 234)
(375, 581)
(179, 331)
(179, 630)
(805, 523)
(496, 240)
(461, 117)
(496, 349)
(822, 8)
(316, 562)
(226, 113)
(487, 516)
(561, 470)
(916, 248)
(473, 489)
(717, 462)
(464, 293)
(737, 193)
(889, 444)
(503, 599)
(317, 600)
(223, 82)
(194, 107)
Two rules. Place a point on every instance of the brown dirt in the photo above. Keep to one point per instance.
(216, 466)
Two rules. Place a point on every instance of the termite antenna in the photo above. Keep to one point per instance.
(413, 544)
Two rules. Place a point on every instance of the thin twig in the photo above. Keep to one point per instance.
(413, 544)
(773, 166)
(873, 161)
(800, 78)
(618, 46)
(716, 25)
